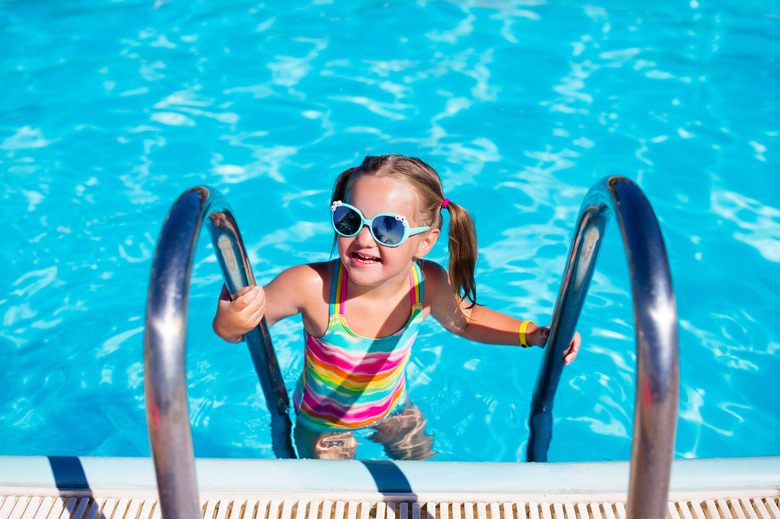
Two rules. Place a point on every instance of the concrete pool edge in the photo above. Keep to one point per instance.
(42, 475)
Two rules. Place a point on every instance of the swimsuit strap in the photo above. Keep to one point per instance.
(415, 280)
(338, 287)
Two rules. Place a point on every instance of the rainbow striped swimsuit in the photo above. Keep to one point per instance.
(351, 382)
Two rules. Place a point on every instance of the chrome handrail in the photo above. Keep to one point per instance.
(165, 381)
(655, 318)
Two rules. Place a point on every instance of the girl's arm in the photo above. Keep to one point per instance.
(480, 323)
(292, 292)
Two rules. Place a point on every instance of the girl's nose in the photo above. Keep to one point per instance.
(364, 237)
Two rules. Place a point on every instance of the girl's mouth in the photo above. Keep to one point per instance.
(365, 259)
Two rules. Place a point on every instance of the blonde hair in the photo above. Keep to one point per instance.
(462, 236)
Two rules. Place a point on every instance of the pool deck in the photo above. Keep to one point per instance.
(118, 488)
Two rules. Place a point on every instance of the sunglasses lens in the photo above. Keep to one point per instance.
(388, 230)
(346, 221)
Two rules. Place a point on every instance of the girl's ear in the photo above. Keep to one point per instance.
(426, 244)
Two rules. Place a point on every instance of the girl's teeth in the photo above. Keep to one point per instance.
(365, 258)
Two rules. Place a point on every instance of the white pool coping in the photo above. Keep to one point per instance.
(727, 477)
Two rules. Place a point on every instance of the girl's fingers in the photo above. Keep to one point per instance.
(248, 299)
(256, 317)
(571, 352)
(255, 309)
(236, 317)
(244, 290)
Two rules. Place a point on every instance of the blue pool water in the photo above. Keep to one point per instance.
(109, 110)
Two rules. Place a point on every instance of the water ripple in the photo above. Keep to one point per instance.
(521, 106)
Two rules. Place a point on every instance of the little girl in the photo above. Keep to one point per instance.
(362, 311)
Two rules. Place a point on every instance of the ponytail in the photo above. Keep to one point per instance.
(463, 251)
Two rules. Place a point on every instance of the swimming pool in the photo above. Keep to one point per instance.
(112, 109)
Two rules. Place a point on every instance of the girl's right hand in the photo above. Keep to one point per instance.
(539, 335)
(236, 317)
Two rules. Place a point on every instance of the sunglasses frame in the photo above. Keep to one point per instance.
(363, 222)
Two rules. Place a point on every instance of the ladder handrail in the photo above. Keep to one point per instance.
(655, 319)
(165, 383)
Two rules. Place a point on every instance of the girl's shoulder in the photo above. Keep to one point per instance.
(307, 275)
(435, 277)
(430, 267)
(302, 287)
(439, 298)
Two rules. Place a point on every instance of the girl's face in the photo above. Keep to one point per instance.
(367, 262)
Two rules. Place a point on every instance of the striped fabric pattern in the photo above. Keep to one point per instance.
(349, 381)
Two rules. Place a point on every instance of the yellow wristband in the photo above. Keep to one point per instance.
(523, 326)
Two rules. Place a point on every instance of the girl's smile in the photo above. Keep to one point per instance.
(367, 259)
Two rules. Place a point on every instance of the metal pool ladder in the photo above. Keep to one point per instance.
(655, 320)
(165, 382)
(654, 309)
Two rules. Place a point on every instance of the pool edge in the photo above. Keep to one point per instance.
(385, 480)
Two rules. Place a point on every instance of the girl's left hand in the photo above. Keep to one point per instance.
(539, 336)
(571, 352)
